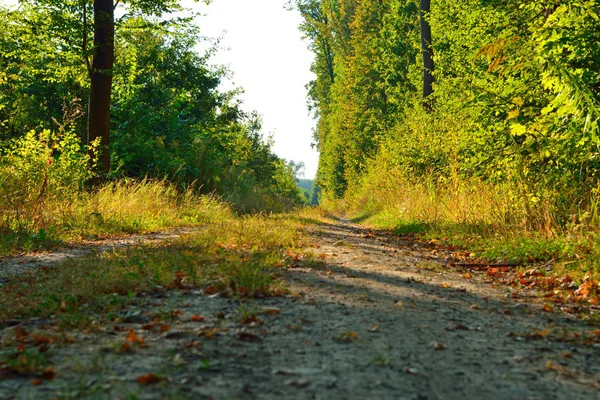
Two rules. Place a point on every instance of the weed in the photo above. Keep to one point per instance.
(380, 359)
(24, 361)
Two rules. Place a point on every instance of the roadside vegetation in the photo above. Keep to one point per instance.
(181, 150)
(499, 154)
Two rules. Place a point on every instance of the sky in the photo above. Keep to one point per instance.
(270, 61)
(264, 50)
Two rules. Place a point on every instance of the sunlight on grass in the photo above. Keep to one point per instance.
(120, 207)
(239, 256)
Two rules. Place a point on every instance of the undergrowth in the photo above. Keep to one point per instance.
(487, 219)
(46, 199)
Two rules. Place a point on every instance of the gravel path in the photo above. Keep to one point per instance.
(380, 318)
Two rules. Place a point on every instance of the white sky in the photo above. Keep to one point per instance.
(263, 48)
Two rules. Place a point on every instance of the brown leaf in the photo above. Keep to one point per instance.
(48, 374)
(211, 333)
(149, 379)
(132, 337)
(271, 311)
(35, 381)
(20, 334)
(208, 290)
(40, 339)
(125, 348)
(197, 318)
(248, 337)
(437, 346)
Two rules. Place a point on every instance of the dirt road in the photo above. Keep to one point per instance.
(379, 318)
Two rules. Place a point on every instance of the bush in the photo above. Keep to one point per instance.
(39, 171)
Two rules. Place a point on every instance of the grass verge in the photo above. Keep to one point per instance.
(120, 207)
(239, 256)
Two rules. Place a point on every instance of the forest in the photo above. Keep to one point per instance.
(477, 117)
(168, 120)
(154, 246)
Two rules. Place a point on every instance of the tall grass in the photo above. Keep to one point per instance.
(502, 221)
(44, 198)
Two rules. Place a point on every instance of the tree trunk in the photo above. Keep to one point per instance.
(427, 50)
(101, 80)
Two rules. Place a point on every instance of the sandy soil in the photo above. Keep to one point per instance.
(380, 318)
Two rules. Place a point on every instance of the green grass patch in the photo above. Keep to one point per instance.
(238, 256)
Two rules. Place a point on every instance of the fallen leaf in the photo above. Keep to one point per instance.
(346, 336)
(271, 311)
(148, 379)
(444, 285)
(374, 328)
(547, 308)
(437, 346)
(411, 371)
(20, 334)
(208, 290)
(399, 303)
(467, 276)
(48, 374)
(211, 333)
(248, 337)
(299, 383)
(125, 348)
(132, 337)
(197, 318)
(35, 381)
(165, 328)
(458, 327)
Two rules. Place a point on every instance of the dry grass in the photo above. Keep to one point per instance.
(123, 206)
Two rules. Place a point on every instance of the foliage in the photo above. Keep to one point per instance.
(169, 119)
(516, 101)
(38, 169)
